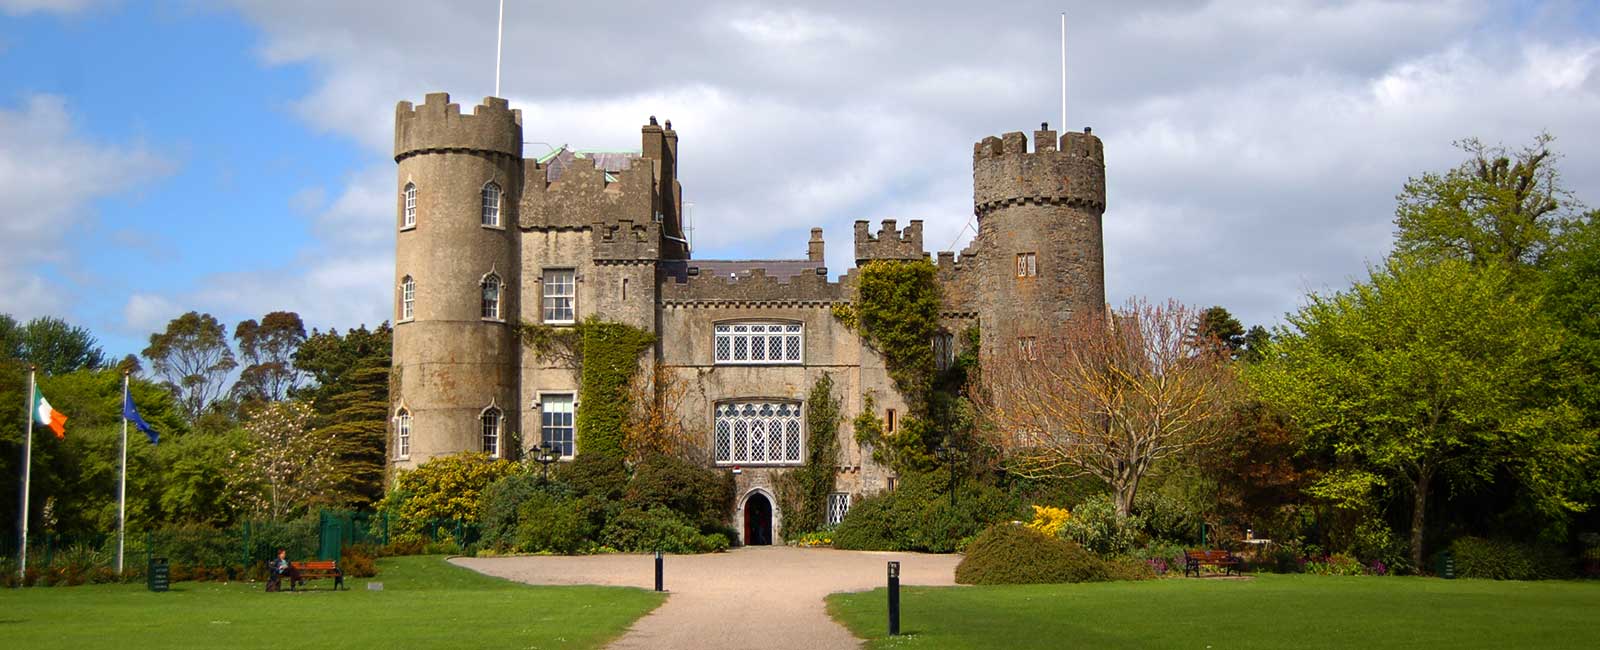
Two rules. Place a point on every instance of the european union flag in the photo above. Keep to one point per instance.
(131, 414)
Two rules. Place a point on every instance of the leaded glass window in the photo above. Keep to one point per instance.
(759, 343)
(491, 205)
(758, 433)
(560, 292)
(838, 507)
(556, 423)
(491, 431)
(491, 296)
(402, 434)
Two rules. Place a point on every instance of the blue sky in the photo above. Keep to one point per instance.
(233, 158)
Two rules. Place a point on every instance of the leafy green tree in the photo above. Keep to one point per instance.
(1571, 294)
(1217, 325)
(1499, 206)
(194, 358)
(351, 373)
(267, 349)
(1427, 370)
(50, 343)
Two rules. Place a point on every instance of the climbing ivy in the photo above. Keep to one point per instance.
(605, 356)
(897, 308)
(804, 490)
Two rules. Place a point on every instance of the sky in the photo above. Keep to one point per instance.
(235, 158)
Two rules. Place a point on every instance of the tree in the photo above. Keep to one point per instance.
(1426, 370)
(268, 350)
(655, 426)
(50, 343)
(351, 372)
(194, 358)
(1109, 396)
(1497, 207)
(1219, 327)
(284, 468)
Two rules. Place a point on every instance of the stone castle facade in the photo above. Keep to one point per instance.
(487, 238)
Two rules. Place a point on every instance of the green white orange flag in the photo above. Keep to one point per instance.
(44, 414)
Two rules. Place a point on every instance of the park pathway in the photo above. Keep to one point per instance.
(753, 598)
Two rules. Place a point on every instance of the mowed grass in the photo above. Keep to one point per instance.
(1268, 611)
(425, 603)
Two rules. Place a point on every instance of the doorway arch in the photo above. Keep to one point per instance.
(757, 519)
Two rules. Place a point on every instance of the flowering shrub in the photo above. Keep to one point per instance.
(1337, 564)
(1049, 520)
(814, 539)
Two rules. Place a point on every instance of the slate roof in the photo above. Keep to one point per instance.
(611, 162)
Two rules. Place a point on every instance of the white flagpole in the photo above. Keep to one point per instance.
(499, 39)
(122, 484)
(27, 464)
(1063, 72)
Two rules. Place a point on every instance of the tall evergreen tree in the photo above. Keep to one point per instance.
(351, 398)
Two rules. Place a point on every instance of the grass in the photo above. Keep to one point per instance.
(1269, 611)
(425, 602)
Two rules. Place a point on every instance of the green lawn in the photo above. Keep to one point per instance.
(1269, 611)
(425, 602)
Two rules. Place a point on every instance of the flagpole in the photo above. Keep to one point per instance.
(122, 484)
(1063, 72)
(27, 464)
(499, 38)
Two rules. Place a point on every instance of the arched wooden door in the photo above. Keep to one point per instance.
(757, 520)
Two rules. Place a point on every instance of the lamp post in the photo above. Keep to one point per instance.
(545, 456)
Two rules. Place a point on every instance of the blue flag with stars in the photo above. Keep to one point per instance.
(132, 415)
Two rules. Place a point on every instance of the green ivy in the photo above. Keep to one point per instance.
(897, 306)
(804, 490)
(605, 356)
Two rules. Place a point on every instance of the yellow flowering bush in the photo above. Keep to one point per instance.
(1048, 519)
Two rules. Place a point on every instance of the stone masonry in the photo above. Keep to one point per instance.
(610, 223)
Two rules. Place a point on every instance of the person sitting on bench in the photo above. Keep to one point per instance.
(280, 567)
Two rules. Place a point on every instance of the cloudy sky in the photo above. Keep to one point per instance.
(235, 157)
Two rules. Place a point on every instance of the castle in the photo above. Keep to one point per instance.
(487, 238)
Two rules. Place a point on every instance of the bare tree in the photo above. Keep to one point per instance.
(655, 426)
(1108, 395)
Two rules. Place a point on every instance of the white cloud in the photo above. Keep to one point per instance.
(1253, 150)
(50, 175)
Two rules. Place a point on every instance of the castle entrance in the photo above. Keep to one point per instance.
(757, 520)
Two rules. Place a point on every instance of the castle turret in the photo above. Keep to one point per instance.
(457, 275)
(1041, 256)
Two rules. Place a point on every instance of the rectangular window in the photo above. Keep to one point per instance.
(758, 433)
(838, 507)
(560, 292)
(491, 205)
(556, 423)
(1027, 265)
(411, 206)
(759, 343)
(408, 298)
(491, 432)
(402, 434)
(1027, 348)
(944, 351)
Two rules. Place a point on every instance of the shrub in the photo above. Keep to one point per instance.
(658, 529)
(298, 538)
(1167, 517)
(357, 561)
(1048, 520)
(702, 495)
(919, 517)
(1476, 557)
(498, 511)
(446, 488)
(1096, 525)
(1337, 564)
(1011, 554)
(554, 524)
(601, 475)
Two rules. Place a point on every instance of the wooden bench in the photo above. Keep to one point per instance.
(311, 571)
(1193, 560)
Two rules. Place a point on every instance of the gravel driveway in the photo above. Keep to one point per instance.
(757, 598)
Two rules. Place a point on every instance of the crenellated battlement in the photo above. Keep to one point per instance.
(626, 239)
(1069, 170)
(581, 193)
(755, 286)
(439, 125)
(890, 243)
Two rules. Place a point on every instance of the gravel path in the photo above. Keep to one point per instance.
(758, 598)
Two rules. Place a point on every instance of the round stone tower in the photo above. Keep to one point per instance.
(456, 276)
(1041, 255)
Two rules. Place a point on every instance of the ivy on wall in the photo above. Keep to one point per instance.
(803, 491)
(897, 309)
(605, 357)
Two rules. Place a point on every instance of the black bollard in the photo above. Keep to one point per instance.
(658, 570)
(894, 598)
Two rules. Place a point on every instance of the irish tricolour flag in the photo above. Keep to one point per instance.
(44, 414)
